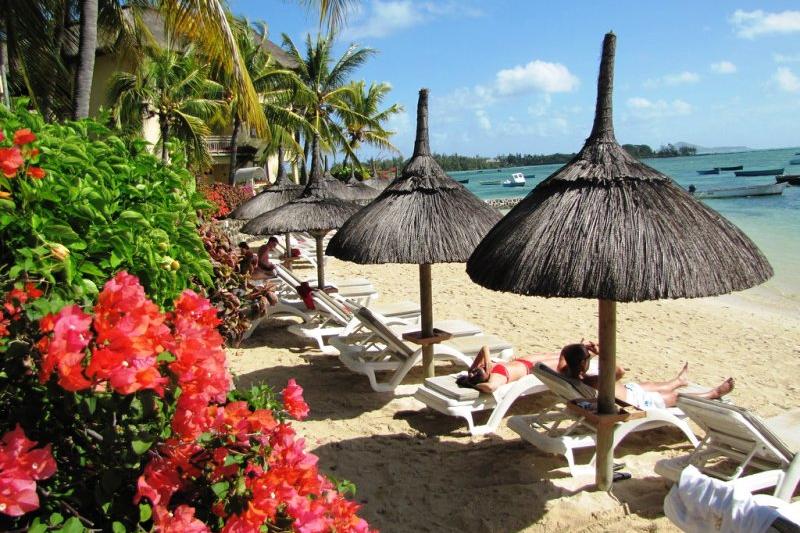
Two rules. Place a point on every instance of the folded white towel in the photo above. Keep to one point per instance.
(698, 504)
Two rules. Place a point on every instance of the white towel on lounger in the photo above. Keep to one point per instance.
(698, 504)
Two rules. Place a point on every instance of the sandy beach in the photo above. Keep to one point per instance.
(418, 470)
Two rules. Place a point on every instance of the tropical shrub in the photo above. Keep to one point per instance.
(138, 427)
(225, 197)
(78, 204)
(237, 299)
(342, 172)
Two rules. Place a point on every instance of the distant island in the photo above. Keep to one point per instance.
(456, 162)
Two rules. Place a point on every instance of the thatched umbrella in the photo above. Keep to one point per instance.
(315, 210)
(276, 195)
(361, 192)
(422, 217)
(607, 226)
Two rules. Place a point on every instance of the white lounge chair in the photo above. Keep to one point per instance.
(741, 448)
(560, 431)
(390, 353)
(331, 317)
(359, 290)
(443, 394)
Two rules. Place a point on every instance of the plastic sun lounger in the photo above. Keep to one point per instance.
(736, 440)
(443, 394)
(332, 318)
(559, 431)
(355, 290)
(390, 353)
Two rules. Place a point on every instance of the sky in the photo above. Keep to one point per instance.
(520, 76)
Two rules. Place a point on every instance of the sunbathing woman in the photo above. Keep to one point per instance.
(644, 395)
(487, 376)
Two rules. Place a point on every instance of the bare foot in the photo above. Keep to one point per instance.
(725, 387)
(683, 375)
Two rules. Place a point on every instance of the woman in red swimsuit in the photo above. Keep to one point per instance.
(487, 376)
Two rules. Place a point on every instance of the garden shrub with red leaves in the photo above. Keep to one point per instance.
(238, 300)
(138, 428)
(225, 197)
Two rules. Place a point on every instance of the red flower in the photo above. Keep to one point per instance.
(36, 172)
(2, 137)
(293, 400)
(66, 350)
(10, 161)
(24, 136)
(181, 520)
(20, 466)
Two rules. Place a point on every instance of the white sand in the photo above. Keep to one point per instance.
(418, 470)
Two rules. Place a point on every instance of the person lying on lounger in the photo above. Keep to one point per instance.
(487, 376)
(573, 361)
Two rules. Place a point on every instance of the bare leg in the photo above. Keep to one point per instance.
(671, 397)
(681, 380)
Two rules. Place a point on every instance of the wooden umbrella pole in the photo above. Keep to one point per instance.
(318, 236)
(426, 306)
(288, 251)
(606, 399)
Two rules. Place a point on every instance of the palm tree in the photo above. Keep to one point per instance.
(174, 87)
(364, 125)
(325, 101)
(275, 86)
(87, 49)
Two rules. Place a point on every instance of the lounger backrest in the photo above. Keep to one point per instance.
(565, 387)
(388, 336)
(330, 305)
(287, 276)
(735, 427)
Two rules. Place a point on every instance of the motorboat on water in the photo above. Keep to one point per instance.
(739, 192)
(767, 172)
(517, 179)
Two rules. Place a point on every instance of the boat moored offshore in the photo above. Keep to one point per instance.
(517, 179)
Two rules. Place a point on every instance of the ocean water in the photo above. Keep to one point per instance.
(773, 222)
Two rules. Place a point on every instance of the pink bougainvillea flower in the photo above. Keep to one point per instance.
(181, 520)
(36, 172)
(17, 495)
(65, 351)
(293, 400)
(20, 466)
(24, 136)
(10, 161)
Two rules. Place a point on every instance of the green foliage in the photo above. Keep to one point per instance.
(342, 172)
(103, 206)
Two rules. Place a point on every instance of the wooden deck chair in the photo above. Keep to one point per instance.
(394, 355)
(560, 431)
(443, 394)
(741, 448)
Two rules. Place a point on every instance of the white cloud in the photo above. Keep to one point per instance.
(648, 109)
(673, 79)
(483, 120)
(786, 58)
(787, 80)
(751, 24)
(535, 76)
(723, 67)
(382, 18)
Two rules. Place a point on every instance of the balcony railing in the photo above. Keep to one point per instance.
(218, 144)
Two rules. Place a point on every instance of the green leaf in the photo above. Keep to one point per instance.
(73, 525)
(145, 512)
(118, 527)
(37, 526)
(220, 488)
(89, 268)
(55, 519)
(141, 446)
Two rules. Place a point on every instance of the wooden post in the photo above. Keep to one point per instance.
(426, 306)
(607, 337)
(288, 251)
(318, 236)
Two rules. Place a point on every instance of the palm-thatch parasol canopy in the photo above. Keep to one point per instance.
(315, 210)
(360, 192)
(608, 226)
(279, 193)
(422, 217)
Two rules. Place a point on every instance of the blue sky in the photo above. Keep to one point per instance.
(519, 76)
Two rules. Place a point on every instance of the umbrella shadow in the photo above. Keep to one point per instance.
(272, 333)
(413, 483)
(331, 391)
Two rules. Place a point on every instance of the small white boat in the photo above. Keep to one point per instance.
(738, 192)
(517, 180)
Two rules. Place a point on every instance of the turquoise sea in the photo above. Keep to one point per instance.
(773, 222)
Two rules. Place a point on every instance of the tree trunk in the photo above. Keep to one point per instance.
(281, 171)
(237, 124)
(86, 53)
(164, 135)
(6, 100)
(303, 168)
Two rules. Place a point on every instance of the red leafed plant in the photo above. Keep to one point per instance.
(143, 428)
(226, 197)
